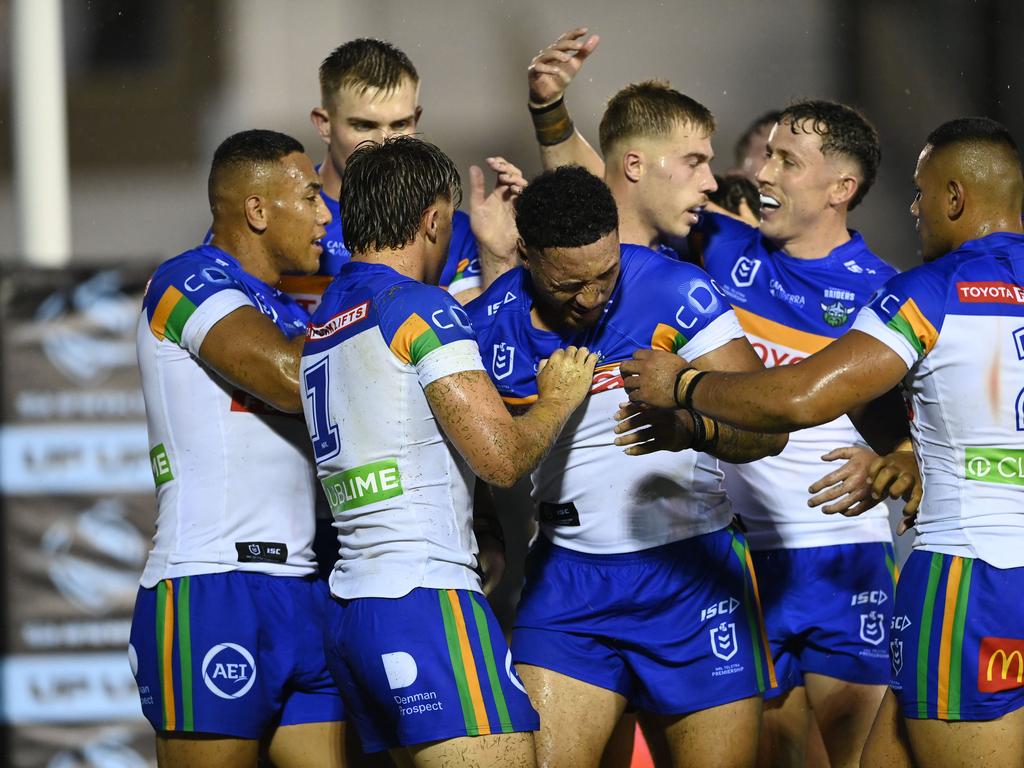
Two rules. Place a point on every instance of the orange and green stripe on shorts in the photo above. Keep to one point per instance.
(755, 618)
(171, 613)
(949, 678)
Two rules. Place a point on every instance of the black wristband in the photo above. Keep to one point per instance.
(686, 400)
(547, 107)
(699, 434)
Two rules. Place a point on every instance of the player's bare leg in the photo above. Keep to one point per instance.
(618, 752)
(720, 737)
(991, 743)
(785, 725)
(844, 712)
(503, 750)
(888, 745)
(199, 750)
(309, 745)
(576, 718)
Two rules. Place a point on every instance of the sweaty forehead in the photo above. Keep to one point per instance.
(565, 265)
(376, 103)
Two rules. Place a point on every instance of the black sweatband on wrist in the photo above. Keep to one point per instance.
(698, 435)
(551, 123)
(705, 438)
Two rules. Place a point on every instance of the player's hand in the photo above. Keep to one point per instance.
(650, 377)
(897, 476)
(645, 430)
(847, 487)
(492, 217)
(553, 68)
(566, 376)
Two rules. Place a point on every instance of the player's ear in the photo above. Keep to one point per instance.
(954, 199)
(843, 190)
(255, 213)
(521, 250)
(322, 122)
(633, 165)
(431, 222)
(419, 113)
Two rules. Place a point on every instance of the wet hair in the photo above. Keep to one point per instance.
(974, 130)
(565, 208)
(844, 131)
(387, 187)
(364, 64)
(767, 120)
(650, 109)
(245, 151)
(734, 189)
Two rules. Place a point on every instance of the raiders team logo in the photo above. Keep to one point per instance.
(836, 314)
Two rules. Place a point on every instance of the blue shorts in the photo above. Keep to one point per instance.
(957, 639)
(674, 629)
(233, 654)
(826, 610)
(430, 666)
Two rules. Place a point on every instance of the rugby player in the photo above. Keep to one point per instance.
(639, 591)
(226, 638)
(795, 285)
(401, 415)
(950, 330)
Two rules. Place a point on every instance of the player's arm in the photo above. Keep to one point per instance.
(501, 448)
(646, 430)
(852, 370)
(247, 349)
(549, 75)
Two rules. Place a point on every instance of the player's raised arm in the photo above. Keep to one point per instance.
(492, 218)
(501, 448)
(549, 74)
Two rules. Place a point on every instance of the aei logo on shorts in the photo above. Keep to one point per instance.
(229, 670)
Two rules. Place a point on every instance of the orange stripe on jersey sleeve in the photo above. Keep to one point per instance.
(166, 305)
(401, 344)
(667, 338)
(922, 327)
(769, 330)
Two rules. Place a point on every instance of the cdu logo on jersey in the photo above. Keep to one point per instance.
(744, 271)
(229, 670)
(503, 360)
(872, 627)
(723, 640)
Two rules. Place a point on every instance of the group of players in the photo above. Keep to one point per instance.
(678, 573)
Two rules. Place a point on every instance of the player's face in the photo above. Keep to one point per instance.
(573, 285)
(371, 115)
(795, 182)
(677, 180)
(927, 209)
(297, 214)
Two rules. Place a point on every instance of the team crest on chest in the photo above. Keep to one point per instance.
(503, 360)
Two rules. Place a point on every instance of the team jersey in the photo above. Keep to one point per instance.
(590, 497)
(791, 308)
(461, 271)
(958, 324)
(400, 494)
(235, 485)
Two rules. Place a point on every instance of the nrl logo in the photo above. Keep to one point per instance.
(896, 654)
(836, 314)
(503, 360)
(872, 627)
(723, 641)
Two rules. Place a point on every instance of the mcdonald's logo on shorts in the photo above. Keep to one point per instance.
(1000, 664)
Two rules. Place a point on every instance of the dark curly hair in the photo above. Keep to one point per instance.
(565, 208)
(387, 187)
(844, 131)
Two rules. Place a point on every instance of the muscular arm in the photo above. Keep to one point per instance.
(499, 447)
(246, 349)
(853, 370)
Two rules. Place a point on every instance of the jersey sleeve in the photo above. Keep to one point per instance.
(462, 269)
(906, 313)
(720, 236)
(691, 314)
(187, 297)
(427, 329)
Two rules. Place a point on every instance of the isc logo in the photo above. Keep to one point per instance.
(722, 608)
(873, 597)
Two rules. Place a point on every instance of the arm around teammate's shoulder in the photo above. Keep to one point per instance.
(501, 448)
(248, 350)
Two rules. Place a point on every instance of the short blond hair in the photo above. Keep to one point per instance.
(650, 109)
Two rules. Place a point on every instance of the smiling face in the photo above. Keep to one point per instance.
(356, 115)
(797, 183)
(296, 214)
(572, 286)
(676, 180)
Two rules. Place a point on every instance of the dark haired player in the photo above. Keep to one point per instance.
(795, 284)
(639, 591)
(226, 639)
(401, 415)
(952, 330)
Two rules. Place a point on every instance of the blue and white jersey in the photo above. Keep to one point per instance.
(958, 324)
(234, 478)
(590, 496)
(791, 308)
(400, 493)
